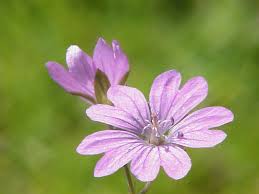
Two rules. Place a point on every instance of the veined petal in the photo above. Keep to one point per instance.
(190, 95)
(103, 58)
(103, 141)
(200, 139)
(163, 92)
(146, 164)
(117, 158)
(131, 101)
(60, 75)
(121, 62)
(175, 161)
(80, 66)
(110, 60)
(205, 118)
(113, 116)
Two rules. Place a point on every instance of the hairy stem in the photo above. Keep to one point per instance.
(129, 180)
(145, 189)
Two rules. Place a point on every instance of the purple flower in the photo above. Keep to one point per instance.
(80, 76)
(155, 134)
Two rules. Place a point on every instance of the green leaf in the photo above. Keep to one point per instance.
(124, 78)
(101, 86)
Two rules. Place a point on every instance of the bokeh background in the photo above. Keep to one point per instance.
(41, 125)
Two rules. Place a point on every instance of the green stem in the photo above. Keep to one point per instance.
(145, 189)
(129, 180)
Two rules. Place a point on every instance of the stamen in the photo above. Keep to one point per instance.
(154, 129)
(148, 121)
(144, 129)
(154, 119)
(164, 121)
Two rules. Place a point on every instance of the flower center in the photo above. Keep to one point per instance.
(154, 131)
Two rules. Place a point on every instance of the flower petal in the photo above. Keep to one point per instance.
(194, 128)
(163, 92)
(131, 101)
(103, 141)
(205, 118)
(146, 164)
(80, 66)
(190, 95)
(113, 116)
(60, 75)
(103, 58)
(175, 161)
(121, 61)
(110, 60)
(200, 139)
(117, 158)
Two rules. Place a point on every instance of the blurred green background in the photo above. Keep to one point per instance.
(41, 125)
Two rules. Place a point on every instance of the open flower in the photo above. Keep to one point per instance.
(79, 79)
(154, 134)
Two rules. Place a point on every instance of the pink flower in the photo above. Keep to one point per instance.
(155, 134)
(80, 76)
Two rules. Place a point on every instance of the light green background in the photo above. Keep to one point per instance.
(41, 125)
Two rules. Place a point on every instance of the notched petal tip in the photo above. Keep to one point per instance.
(223, 111)
(116, 46)
(48, 64)
(145, 179)
(98, 173)
(201, 81)
(219, 137)
(73, 53)
(115, 42)
(73, 50)
(79, 150)
(175, 161)
(100, 50)
(198, 80)
(101, 41)
(222, 136)
(231, 115)
(55, 69)
(73, 47)
(51, 64)
(170, 72)
(167, 75)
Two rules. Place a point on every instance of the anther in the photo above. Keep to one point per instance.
(172, 120)
(180, 134)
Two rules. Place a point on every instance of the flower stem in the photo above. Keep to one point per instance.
(129, 180)
(145, 189)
